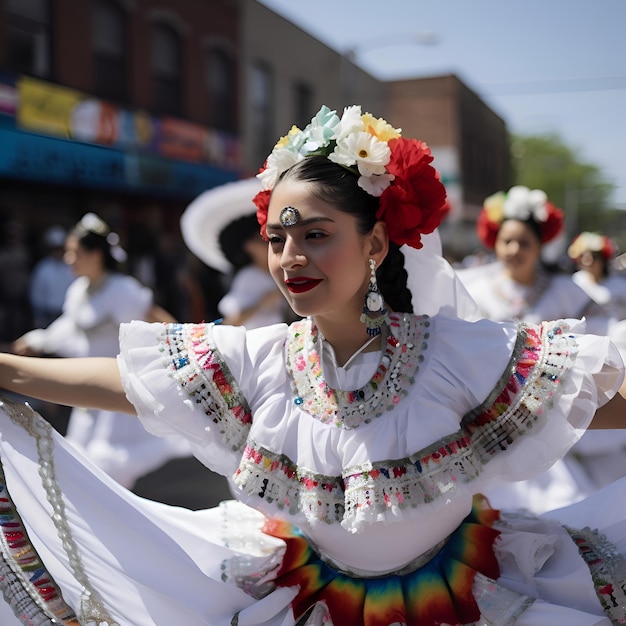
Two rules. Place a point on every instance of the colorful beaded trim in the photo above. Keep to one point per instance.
(26, 584)
(608, 571)
(399, 364)
(19, 553)
(542, 356)
(199, 368)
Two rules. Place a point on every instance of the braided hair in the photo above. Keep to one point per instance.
(338, 187)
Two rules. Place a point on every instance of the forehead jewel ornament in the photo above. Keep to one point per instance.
(289, 216)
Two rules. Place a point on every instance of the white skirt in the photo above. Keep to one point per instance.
(120, 559)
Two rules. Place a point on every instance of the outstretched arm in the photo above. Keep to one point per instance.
(86, 382)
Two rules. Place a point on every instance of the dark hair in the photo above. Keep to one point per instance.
(606, 263)
(93, 233)
(235, 235)
(533, 224)
(338, 186)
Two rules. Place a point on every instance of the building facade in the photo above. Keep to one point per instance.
(469, 143)
(131, 108)
(121, 107)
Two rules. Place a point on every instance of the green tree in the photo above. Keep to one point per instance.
(579, 188)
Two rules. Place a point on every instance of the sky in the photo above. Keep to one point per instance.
(544, 66)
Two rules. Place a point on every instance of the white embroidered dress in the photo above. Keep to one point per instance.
(450, 408)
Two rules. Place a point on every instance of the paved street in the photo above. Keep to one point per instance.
(184, 482)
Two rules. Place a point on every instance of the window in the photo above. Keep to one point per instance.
(166, 69)
(221, 86)
(110, 50)
(262, 110)
(28, 35)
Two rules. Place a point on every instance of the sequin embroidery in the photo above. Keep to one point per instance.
(608, 571)
(199, 368)
(542, 356)
(402, 356)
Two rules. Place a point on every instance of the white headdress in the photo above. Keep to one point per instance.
(212, 211)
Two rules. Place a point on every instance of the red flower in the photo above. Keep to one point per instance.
(415, 202)
(262, 202)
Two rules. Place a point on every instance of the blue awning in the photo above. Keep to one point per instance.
(38, 158)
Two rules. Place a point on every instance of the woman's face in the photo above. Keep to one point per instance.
(321, 262)
(592, 263)
(83, 262)
(518, 249)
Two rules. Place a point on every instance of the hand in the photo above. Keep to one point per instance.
(21, 347)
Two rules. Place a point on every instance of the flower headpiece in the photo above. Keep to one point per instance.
(389, 166)
(519, 203)
(591, 242)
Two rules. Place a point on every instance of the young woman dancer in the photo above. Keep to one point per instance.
(358, 438)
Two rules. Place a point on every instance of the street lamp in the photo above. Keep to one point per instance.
(350, 55)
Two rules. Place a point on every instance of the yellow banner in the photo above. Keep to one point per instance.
(44, 107)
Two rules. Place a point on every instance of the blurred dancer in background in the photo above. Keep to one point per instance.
(220, 227)
(101, 297)
(601, 452)
(519, 285)
(517, 226)
(593, 255)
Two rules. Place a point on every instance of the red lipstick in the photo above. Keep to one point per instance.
(302, 284)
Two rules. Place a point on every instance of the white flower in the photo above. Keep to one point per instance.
(278, 161)
(375, 185)
(522, 203)
(351, 122)
(363, 150)
(354, 141)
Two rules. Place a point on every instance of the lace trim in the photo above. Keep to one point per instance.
(199, 368)
(608, 570)
(400, 362)
(542, 356)
(92, 608)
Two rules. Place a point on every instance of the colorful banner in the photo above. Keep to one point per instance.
(55, 110)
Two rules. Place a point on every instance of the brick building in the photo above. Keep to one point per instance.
(130, 108)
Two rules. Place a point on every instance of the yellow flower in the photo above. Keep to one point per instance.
(283, 141)
(380, 128)
(494, 207)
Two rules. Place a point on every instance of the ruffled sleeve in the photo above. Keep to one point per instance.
(494, 403)
(546, 398)
(200, 381)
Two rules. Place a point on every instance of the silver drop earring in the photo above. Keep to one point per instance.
(374, 314)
